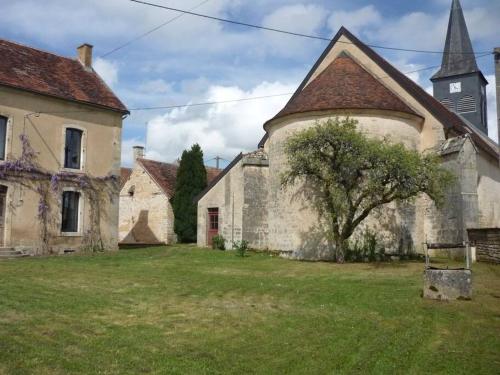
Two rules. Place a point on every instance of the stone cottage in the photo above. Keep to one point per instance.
(350, 79)
(146, 214)
(60, 138)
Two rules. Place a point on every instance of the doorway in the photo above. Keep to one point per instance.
(213, 224)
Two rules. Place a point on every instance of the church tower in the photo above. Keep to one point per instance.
(459, 84)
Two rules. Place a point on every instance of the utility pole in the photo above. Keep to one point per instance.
(217, 159)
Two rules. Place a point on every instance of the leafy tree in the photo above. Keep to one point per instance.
(346, 175)
(191, 180)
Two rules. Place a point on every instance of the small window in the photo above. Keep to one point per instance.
(3, 136)
(466, 104)
(448, 103)
(131, 191)
(73, 148)
(70, 211)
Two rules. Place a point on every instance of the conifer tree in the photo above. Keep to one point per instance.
(191, 180)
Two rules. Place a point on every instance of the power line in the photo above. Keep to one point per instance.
(208, 103)
(289, 32)
(188, 105)
(126, 44)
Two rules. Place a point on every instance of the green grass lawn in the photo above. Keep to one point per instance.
(190, 311)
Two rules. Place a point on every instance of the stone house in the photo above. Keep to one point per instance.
(60, 139)
(146, 214)
(350, 79)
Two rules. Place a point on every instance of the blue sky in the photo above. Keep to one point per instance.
(196, 60)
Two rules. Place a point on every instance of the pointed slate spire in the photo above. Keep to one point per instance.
(458, 57)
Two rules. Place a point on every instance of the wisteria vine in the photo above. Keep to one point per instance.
(26, 172)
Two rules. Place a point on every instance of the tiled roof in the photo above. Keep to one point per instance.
(165, 174)
(344, 84)
(124, 176)
(447, 118)
(42, 72)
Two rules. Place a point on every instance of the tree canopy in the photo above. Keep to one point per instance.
(350, 175)
(191, 180)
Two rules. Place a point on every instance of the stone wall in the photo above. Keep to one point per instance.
(146, 216)
(293, 222)
(460, 210)
(255, 205)
(227, 195)
(487, 243)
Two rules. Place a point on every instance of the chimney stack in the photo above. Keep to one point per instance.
(85, 55)
(138, 153)
(496, 53)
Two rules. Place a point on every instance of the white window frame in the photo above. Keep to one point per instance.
(83, 150)
(8, 135)
(81, 210)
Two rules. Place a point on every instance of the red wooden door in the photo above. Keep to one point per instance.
(213, 224)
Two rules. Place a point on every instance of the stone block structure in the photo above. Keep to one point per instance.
(487, 244)
(146, 215)
(351, 79)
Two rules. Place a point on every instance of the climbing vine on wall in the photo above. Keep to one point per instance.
(26, 172)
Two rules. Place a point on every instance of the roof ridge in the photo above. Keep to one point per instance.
(74, 59)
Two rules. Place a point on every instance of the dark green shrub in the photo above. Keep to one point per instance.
(218, 242)
(241, 248)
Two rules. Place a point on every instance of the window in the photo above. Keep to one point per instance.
(466, 104)
(73, 148)
(131, 191)
(448, 103)
(70, 211)
(3, 136)
(213, 215)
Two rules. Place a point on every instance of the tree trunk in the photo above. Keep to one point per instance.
(340, 244)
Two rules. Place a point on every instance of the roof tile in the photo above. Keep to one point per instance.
(38, 71)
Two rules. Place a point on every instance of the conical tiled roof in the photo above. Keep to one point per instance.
(458, 57)
(344, 84)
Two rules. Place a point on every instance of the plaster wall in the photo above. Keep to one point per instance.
(146, 216)
(46, 132)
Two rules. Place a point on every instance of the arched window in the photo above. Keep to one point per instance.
(448, 103)
(131, 191)
(466, 104)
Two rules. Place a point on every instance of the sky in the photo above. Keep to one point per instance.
(195, 60)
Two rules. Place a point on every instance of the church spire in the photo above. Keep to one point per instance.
(458, 57)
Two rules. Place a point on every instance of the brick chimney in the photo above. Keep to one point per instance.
(496, 53)
(85, 55)
(138, 153)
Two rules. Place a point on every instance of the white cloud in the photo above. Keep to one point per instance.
(299, 18)
(108, 70)
(356, 20)
(224, 129)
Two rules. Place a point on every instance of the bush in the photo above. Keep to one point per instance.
(366, 249)
(219, 242)
(241, 248)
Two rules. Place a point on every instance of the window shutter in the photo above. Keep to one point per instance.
(466, 104)
(448, 103)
